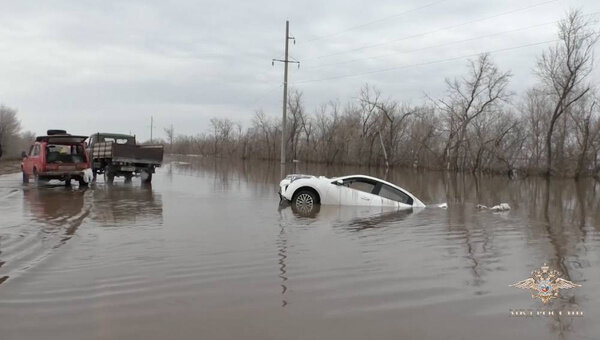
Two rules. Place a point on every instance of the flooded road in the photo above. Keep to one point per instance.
(207, 253)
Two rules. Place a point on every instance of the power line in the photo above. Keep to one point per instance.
(434, 31)
(269, 91)
(423, 64)
(427, 47)
(440, 45)
(374, 22)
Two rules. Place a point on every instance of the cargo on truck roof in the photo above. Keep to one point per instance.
(60, 137)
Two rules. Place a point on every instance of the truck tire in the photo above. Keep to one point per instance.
(146, 175)
(109, 176)
(82, 183)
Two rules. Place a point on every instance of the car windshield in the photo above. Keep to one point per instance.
(64, 153)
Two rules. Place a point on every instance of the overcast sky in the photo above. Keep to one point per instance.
(90, 66)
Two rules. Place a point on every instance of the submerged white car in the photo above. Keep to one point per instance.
(304, 191)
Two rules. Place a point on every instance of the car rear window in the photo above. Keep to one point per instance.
(64, 153)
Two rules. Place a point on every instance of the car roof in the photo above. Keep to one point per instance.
(61, 139)
(376, 180)
(108, 134)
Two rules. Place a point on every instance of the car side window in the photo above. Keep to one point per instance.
(395, 195)
(360, 185)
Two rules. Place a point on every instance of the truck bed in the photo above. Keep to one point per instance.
(126, 153)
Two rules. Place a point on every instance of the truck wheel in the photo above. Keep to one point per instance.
(146, 176)
(109, 176)
(25, 178)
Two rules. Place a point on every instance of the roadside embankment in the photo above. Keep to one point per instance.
(9, 166)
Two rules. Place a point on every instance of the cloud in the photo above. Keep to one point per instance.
(88, 66)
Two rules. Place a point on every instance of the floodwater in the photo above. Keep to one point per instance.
(206, 252)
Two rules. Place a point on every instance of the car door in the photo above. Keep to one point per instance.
(27, 161)
(393, 196)
(357, 191)
(33, 158)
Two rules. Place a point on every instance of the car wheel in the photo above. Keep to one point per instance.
(304, 201)
(25, 177)
(146, 176)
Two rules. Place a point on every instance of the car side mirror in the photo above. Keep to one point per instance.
(339, 182)
(23, 154)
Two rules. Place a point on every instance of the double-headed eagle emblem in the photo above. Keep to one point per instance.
(545, 284)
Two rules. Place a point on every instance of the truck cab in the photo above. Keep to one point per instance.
(58, 155)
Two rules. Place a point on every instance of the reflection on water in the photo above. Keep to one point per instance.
(52, 215)
(207, 251)
(125, 204)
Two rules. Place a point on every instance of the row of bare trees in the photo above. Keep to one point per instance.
(12, 140)
(479, 125)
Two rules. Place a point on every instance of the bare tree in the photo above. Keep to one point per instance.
(564, 69)
(294, 120)
(170, 137)
(9, 130)
(480, 92)
(268, 130)
(584, 119)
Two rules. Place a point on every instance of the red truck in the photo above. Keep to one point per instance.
(58, 155)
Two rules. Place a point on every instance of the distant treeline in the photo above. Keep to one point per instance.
(479, 125)
(12, 140)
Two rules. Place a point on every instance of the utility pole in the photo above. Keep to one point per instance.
(285, 61)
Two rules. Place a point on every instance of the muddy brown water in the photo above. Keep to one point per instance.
(206, 252)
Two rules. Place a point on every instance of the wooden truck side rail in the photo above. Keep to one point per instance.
(144, 154)
(102, 150)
